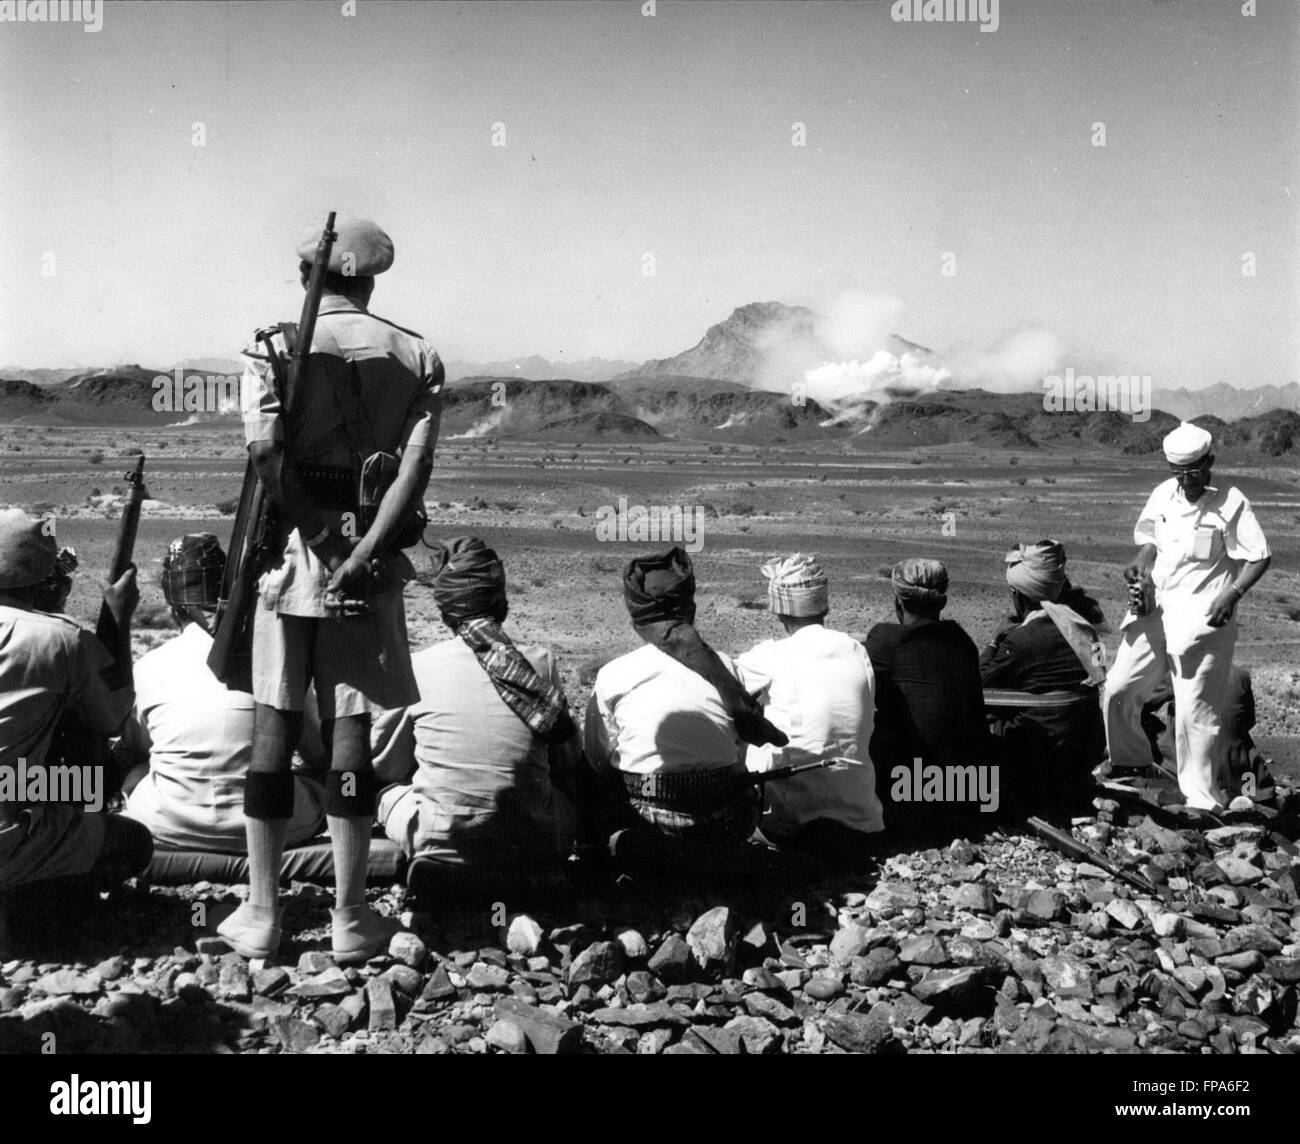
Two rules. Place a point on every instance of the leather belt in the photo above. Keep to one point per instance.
(329, 487)
(1043, 701)
(677, 789)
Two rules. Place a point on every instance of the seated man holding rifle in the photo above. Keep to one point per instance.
(52, 670)
(665, 734)
(820, 690)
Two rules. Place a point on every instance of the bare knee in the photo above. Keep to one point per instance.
(275, 735)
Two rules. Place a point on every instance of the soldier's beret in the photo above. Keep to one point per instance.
(360, 249)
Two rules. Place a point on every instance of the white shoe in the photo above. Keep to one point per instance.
(360, 933)
(253, 931)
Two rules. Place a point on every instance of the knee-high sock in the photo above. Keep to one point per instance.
(350, 839)
(268, 807)
(265, 851)
(351, 794)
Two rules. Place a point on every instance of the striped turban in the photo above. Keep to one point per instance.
(923, 582)
(192, 569)
(657, 588)
(1037, 571)
(796, 586)
(469, 580)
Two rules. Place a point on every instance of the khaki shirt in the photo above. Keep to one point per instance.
(399, 379)
(480, 777)
(49, 666)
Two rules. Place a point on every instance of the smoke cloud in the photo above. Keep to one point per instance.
(849, 353)
(836, 382)
(1018, 362)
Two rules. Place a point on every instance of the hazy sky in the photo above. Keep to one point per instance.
(669, 134)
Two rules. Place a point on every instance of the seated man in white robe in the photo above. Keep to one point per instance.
(820, 690)
(192, 734)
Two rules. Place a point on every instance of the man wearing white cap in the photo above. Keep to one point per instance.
(1203, 549)
(820, 690)
(372, 388)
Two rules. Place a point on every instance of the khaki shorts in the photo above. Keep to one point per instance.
(359, 663)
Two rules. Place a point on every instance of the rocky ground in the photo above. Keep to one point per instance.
(997, 945)
(994, 944)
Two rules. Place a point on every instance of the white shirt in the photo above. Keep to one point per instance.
(661, 716)
(199, 735)
(821, 693)
(1200, 546)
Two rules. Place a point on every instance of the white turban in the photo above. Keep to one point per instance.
(1037, 571)
(796, 586)
(1187, 444)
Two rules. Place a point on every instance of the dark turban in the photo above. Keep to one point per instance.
(660, 595)
(657, 588)
(469, 579)
(923, 582)
(192, 571)
(1037, 571)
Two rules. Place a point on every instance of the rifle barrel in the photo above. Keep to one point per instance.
(130, 525)
(315, 287)
(255, 520)
(1076, 849)
(780, 773)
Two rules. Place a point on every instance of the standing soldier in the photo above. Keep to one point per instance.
(1202, 549)
(329, 606)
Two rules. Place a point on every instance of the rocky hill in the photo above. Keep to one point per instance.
(706, 411)
(739, 348)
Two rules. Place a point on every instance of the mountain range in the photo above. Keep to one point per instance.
(539, 369)
(712, 391)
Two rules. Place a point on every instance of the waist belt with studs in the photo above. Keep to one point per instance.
(688, 787)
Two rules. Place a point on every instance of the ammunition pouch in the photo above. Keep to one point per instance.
(689, 790)
(331, 488)
(378, 472)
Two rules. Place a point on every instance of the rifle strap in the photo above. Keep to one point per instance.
(279, 368)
